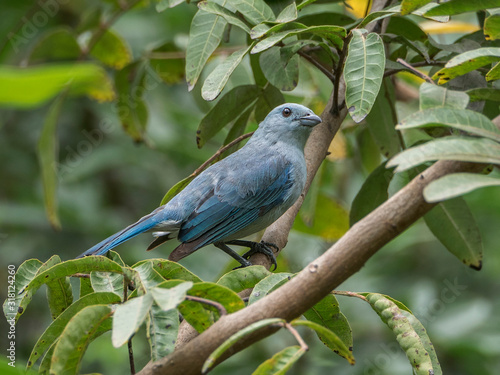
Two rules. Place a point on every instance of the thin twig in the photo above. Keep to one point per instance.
(338, 75)
(129, 343)
(318, 65)
(219, 152)
(124, 7)
(221, 309)
(131, 356)
(297, 336)
(348, 294)
(411, 68)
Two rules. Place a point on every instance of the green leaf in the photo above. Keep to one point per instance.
(494, 73)
(406, 336)
(382, 120)
(467, 62)
(408, 6)
(375, 16)
(282, 74)
(227, 109)
(237, 130)
(243, 278)
(162, 5)
(235, 338)
(268, 284)
(85, 286)
(484, 94)
(454, 226)
(26, 272)
(461, 119)
(281, 362)
(32, 87)
(59, 295)
(288, 14)
(128, 317)
(47, 152)
(168, 299)
(52, 333)
(216, 81)
(163, 327)
(492, 27)
(326, 218)
(327, 313)
(205, 35)
(112, 50)
(70, 267)
(423, 12)
(44, 368)
(453, 7)
(255, 11)
(331, 339)
(372, 194)
(270, 98)
(200, 315)
(332, 33)
(107, 282)
(426, 341)
(432, 96)
(170, 270)
(231, 18)
(479, 150)
(406, 28)
(399, 304)
(363, 73)
(76, 337)
(56, 44)
(176, 189)
(146, 275)
(457, 184)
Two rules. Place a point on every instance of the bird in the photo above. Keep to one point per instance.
(238, 196)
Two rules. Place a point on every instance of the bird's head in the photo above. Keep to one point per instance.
(289, 122)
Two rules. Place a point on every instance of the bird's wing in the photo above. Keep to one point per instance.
(237, 200)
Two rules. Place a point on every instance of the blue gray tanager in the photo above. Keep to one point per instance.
(238, 196)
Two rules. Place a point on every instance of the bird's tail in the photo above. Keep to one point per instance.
(143, 225)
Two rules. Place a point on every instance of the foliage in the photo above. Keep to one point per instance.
(246, 57)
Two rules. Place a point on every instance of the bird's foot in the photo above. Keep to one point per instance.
(264, 248)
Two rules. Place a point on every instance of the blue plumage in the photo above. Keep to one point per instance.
(238, 196)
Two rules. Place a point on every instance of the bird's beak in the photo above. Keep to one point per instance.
(310, 120)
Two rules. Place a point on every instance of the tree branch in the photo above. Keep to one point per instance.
(319, 278)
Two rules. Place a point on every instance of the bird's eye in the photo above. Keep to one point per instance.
(287, 112)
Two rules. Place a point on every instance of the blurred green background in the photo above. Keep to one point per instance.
(109, 181)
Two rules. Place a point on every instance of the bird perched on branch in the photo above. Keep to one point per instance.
(238, 196)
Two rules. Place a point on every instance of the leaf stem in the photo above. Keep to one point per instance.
(222, 310)
(318, 65)
(348, 294)
(338, 75)
(219, 152)
(411, 68)
(129, 343)
(297, 336)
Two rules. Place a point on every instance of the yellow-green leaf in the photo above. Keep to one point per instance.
(31, 87)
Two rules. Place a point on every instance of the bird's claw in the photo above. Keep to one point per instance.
(264, 248)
